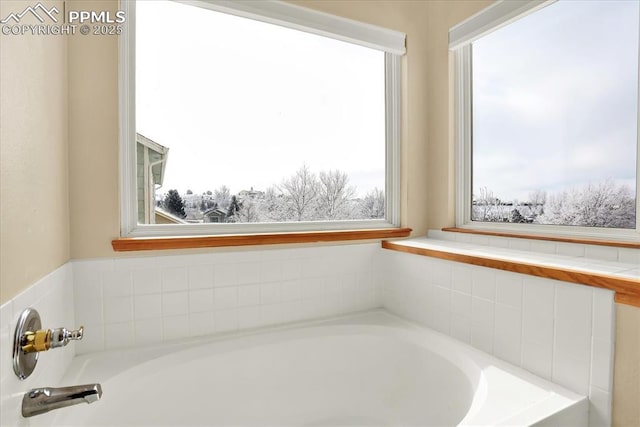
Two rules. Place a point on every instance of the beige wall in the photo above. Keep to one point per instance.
(626, 379)
(93, 138)
(34, 195)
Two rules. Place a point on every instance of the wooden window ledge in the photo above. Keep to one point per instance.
(622, 278)
(191, 242)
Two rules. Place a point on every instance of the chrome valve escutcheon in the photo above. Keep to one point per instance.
(29, 340)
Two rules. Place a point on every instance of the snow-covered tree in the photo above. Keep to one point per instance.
(274, 206)
(372, 205)
(300, 192)
(222, 197)
(516, 216)
(233, 211)
(334, 195)
(249, 211)
(595, 205)
(174, 203)
(488, 207)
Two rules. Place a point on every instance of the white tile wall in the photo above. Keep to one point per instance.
(133, 301)
(560, 331)
(52, 297)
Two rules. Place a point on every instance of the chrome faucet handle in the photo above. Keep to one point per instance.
(61, 336)
(29, 340)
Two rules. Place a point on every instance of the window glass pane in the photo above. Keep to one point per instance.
(243, 121)
(555, 117)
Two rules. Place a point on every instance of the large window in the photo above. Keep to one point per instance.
(257, 116)
(547, 110)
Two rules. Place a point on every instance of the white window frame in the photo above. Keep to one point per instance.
(461, 36)
(291, 16)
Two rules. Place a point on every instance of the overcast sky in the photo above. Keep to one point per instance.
(555, 99)
(245, 104)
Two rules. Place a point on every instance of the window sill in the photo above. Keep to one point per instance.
(579, 240)
(621, 278)
(192, 242)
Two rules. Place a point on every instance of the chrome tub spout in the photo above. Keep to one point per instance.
(45, 399)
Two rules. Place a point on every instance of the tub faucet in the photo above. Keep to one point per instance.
(45, 399)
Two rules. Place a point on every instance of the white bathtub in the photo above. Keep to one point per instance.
(367, 369)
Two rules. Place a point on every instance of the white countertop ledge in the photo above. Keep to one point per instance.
(579, 264)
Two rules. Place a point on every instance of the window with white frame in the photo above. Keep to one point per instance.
(244, 117)
(547, 117)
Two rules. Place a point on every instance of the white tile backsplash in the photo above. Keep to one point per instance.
(225, 298)
(225, 274)
(461, 278)
(507, 338)
(250, 295)
(189, 295)
(200, 277)
(509, 289)
(573, 326)
(249, 317)
(537, 357)
(603, 314)
(601, 364)
(629, 256)
(201, 323)
(175, 327)
(247, 273)
(174, 279)
(227, 320)
(146, 281)
(442, 275)
(559, 331)
(484, 283)
(570, 372)
(117, 284)
(543, 246)
(119, 335)
(599, 407)
(52, 297)
(201, 300)
(537, 326)
(460, 303)
(570, 249)
(603, 253)
(118, 309)
(148, 331)
(175, 303)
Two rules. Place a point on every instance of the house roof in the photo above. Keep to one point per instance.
(214, 211)
(158, 148)
(171, 217)
(161, 150)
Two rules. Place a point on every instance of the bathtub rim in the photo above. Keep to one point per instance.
(467, 358)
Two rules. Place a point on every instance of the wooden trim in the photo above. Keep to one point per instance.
(190, 242)
(627, 299)
(580, 240)
(627, 290)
